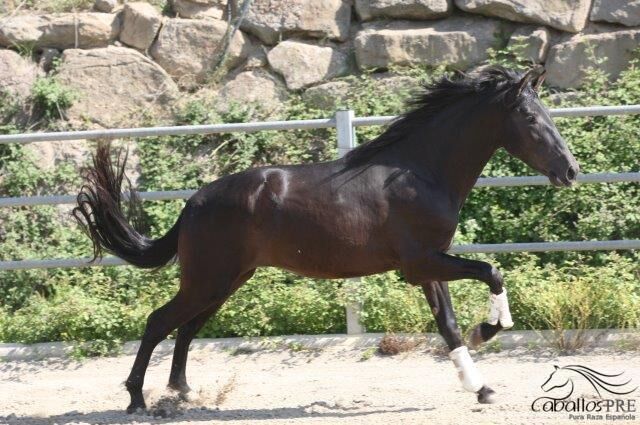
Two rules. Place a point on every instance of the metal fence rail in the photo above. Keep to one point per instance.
(181, 130)
(121, 133)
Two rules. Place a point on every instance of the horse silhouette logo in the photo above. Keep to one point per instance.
(563, 377)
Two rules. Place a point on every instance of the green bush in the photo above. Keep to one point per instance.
(390, 305)
(73, 315)
(275, 302)
(51, 97)
(577, 297)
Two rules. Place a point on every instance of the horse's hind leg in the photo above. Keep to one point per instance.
(159, 324)
(186, 333)
(437, 293)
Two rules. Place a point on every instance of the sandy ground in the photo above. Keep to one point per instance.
(285, 386)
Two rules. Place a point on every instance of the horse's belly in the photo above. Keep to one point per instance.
(351, 266)
(329, 255)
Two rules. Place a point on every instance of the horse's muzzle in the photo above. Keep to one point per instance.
(566, 177)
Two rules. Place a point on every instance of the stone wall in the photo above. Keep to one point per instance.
(128, 60)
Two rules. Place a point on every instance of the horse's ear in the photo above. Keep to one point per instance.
(556, 366)
(537, 82)
(525, 80)
(534, 76)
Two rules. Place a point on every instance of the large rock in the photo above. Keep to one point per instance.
(106, 6)
(625, 12)
(568, 61)
(566, 15)
(327, 96)
(402, 9)
(531, 43)
(17, 74)
(255, 87)
(399, 85)
(335, 94)
(140, 24)
(60, 30)
(303, 64)
(188, 49)
(48, 155)
(458, 42)
(116, 86)
(198, 9)
(271, 20)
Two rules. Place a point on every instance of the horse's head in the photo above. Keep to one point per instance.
(557, 379)
(531, 135)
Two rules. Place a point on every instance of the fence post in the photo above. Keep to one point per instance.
(346, 141)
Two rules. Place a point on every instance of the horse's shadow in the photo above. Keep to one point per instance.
(196, 414)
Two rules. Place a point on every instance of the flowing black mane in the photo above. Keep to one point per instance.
(487, 84)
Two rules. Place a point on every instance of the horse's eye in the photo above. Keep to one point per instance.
(531, 119)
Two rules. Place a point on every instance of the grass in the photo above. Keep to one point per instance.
(297, 347)
(630, 344)
(493, 346)
(368, 354)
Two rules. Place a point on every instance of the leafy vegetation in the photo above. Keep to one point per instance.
(99, 307)
(51, 98)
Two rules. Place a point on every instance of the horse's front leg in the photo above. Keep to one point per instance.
(437, 294)
(439, 266)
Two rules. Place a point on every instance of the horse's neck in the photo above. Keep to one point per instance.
(455, 153)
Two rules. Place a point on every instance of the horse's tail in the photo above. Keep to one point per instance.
(113, 228)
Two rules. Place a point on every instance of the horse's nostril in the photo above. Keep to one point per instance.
(571, 173)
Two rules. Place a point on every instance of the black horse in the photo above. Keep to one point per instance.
(392, 203)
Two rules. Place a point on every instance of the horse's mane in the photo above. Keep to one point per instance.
(486, 84)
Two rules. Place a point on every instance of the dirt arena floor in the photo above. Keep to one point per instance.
(297, 385)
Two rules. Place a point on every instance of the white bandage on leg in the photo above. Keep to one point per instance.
(499, 310)
(467, 371)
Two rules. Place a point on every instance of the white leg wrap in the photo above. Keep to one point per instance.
(467, 371)
(499, 310)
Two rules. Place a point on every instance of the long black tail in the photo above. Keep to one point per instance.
(113, 228)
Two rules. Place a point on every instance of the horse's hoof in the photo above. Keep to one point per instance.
(180, 388)
(137, 404)
(486, 395)
(136, 408)
(188, 397)
(483, 333)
